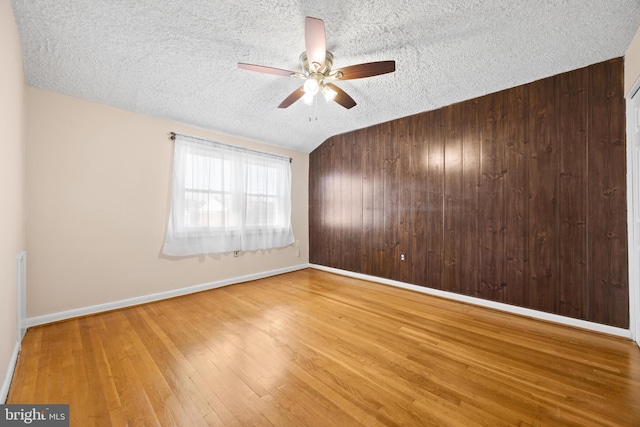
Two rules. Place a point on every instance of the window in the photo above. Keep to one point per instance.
(227, 198)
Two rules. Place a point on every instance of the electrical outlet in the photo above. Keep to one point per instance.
(402, 257)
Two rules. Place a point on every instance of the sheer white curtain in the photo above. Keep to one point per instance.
(227, 198)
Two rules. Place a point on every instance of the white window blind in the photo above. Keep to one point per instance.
(227, 198)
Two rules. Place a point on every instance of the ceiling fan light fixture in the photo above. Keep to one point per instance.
(307, 98)
(311, 87)
(329, 94)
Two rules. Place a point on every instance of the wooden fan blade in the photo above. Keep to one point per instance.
(266, 70)
(342, 97)
(368, 69)
(295, 95)
(315, 40)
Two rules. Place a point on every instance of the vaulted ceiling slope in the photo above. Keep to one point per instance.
(177, 60)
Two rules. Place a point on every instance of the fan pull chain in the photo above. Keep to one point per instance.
(315, 101)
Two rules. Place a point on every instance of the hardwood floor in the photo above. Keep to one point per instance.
(313, 348)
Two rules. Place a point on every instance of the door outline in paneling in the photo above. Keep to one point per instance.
(633, 209)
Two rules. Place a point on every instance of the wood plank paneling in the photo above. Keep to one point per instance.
(419, 199)
(517, 192)
(607, 196)
(377, 135)
(343, 179)
(618, 223)
(453, 191)
(332, 203)
(316, 214)
(518, 196)
(471, 181)
(315, 231)
(403, 140)
(491, 116)
(391, 170)
(435, 201)
(574, 284)
(543, 189)
(368, 168)
(328, 202)
(356, 206)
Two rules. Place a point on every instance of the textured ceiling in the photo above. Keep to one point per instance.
(176, 60)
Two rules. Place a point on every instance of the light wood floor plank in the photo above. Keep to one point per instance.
(313, 348)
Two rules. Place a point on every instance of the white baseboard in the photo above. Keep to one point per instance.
(541, 315)
(64, 315)
(4, 391)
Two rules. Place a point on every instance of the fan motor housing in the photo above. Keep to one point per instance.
(326, 69)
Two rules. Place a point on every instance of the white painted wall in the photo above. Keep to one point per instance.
(12, 142)
(632, 64)
(98, 187)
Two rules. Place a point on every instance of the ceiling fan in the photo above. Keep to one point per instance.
(316, 63)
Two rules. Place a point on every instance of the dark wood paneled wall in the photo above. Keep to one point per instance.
(518, 197)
